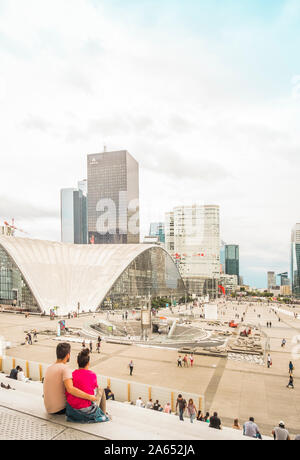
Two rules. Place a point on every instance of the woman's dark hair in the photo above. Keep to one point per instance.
(83, 358)
(62, 350)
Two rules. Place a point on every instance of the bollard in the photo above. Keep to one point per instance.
(0, 364)
(128, 390)
(150, 393)
(200, 404)
(27, 370)
(41, 372)
(13, 363)
(172, 402)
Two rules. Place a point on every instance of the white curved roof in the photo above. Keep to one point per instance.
(61, 274)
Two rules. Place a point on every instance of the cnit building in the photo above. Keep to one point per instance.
(114, 271)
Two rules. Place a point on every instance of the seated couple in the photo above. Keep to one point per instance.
(75, 394)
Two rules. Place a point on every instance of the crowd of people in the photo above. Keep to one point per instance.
(90, 345)
(188, 409)
(186, 361)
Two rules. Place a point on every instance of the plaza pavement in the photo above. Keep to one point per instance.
(232, 388)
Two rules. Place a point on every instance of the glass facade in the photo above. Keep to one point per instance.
(157, 229)
(113, 198)
(154, 273)
(14, 290)
(295, 268)
(201, 286)
(232, 260)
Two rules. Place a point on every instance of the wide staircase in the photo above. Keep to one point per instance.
(23, 416)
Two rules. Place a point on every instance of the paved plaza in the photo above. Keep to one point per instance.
(233, 387)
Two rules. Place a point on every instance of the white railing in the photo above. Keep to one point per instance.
(123, 390)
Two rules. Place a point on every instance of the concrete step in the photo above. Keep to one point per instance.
(128, 422)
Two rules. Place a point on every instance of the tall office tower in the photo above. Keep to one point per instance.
(82, 185)
(295, 260)
(222, 258)
(169, 232)
(195, 231)
(157, 229)
(271, 280)
(232, 260)
(73, 216)
(113, 198)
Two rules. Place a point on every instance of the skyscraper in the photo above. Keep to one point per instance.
(232, 260)
(73, 216)
(271, 280)
(295, 260)
(222, 257)
(157, 229)
(113, 198)
(193, 240)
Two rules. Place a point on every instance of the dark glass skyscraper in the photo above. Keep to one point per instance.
(113, 198)
(232, 260)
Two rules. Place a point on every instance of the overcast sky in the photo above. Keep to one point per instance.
(205, 94)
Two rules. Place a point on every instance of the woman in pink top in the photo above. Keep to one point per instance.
(81, 410)
(192, 360)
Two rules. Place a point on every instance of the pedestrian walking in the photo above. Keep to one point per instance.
(179, 362)
(131, 367)
(269, 361)
(291, 368)
(192, 410)
(283, 343)
(91, 346)
(98, 347)
(181, 405)
(291, 383)
(185, 361)
(192, 360)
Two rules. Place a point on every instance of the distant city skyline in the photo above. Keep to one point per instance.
(205, 95)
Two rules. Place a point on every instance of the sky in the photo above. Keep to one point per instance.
(205, 94)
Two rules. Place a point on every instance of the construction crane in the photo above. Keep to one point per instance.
(12, 228)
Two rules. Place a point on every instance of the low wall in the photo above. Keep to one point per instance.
(123, 390)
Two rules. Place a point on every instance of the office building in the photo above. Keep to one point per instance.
(113, 198)
(222, 258)
(169, 232)
(271, 281)
(295, 260)
(284, 279)
(232, 260)
(193, 239)
(229, 282)
(157, 229)
(38, 275)
(73, 216)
